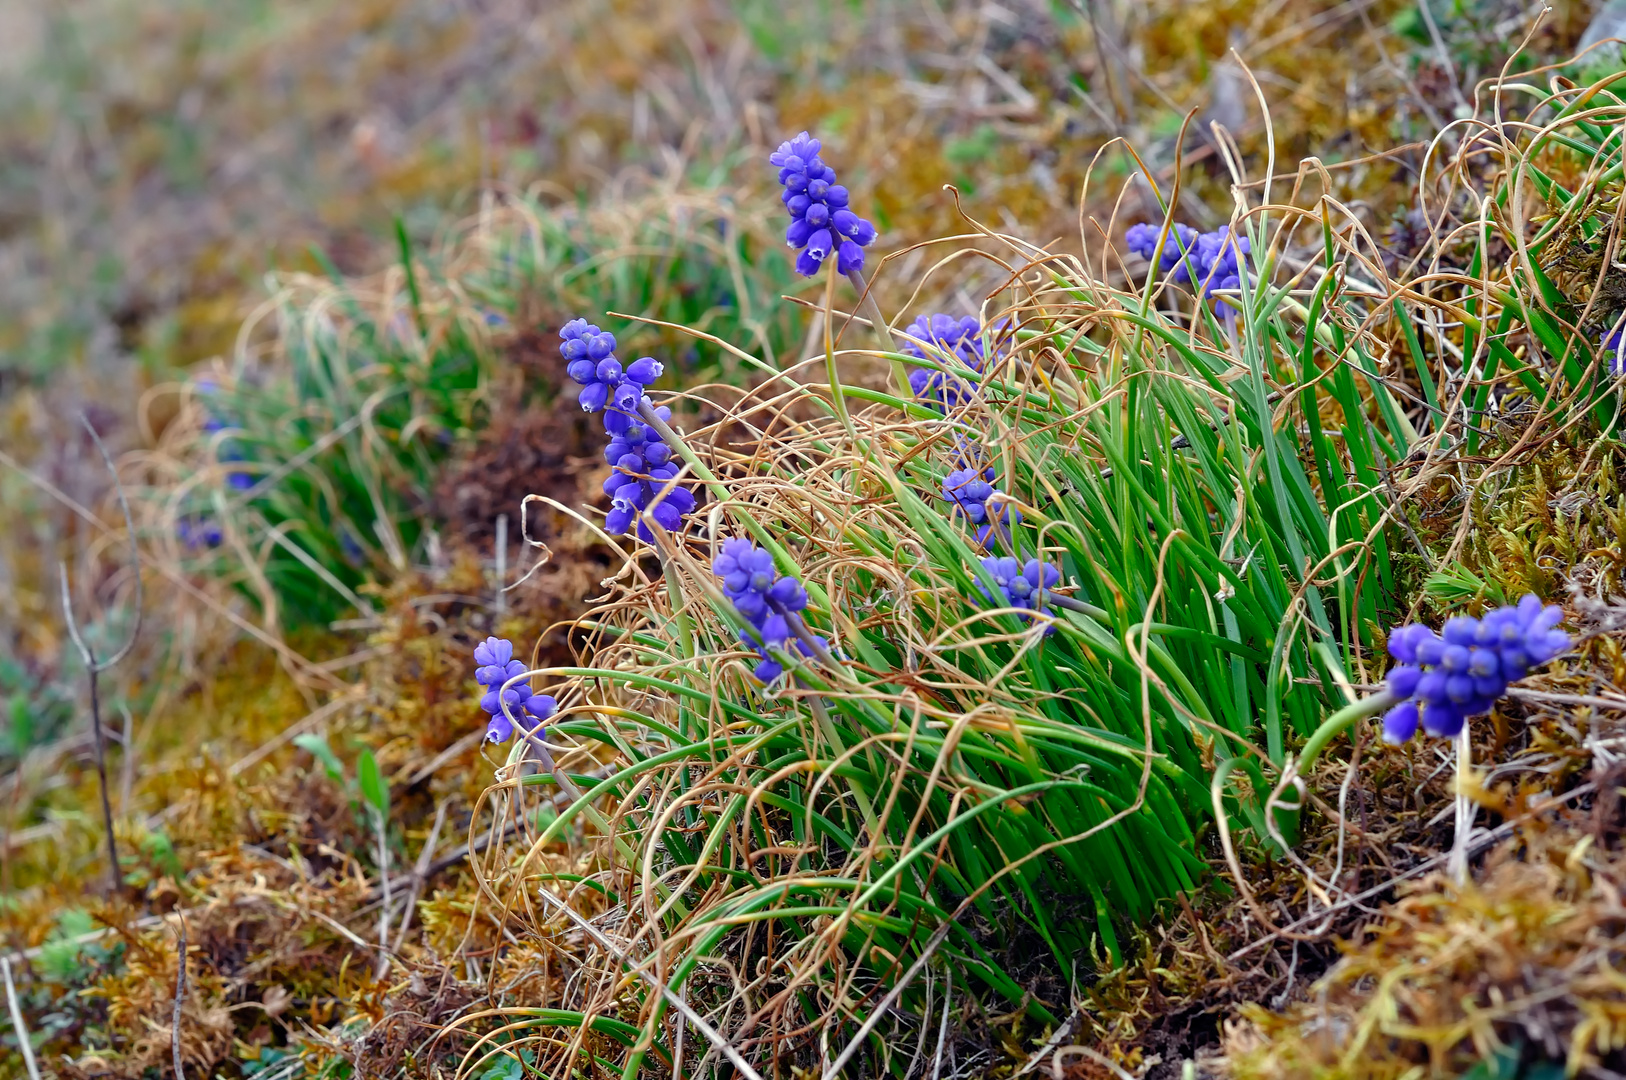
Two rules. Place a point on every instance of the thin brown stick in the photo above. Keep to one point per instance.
(175, 1012)
(420, 872)
(95, 667)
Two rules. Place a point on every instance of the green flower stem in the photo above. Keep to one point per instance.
(646, 412)
(872, 312)
(674, 596)
(1338, 721)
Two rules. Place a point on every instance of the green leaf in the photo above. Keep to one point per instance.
(504, 1068)
(1454, 585)
(373, 787)
(157, 847)
(317, 747)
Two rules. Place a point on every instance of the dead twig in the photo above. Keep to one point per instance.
(17, 1024)
(420, 872)
(95, 667)
(175, 1014)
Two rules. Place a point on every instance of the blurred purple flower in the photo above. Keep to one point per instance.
(1614, 355)
(960, 338)
(1211, 260)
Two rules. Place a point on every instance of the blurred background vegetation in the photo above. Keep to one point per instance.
(165, 167)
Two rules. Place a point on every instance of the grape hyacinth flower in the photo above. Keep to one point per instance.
(238, 479)
(960, 338)
(1613, 353)
(1019, 585)
(1212, 260)
(643, 467)
(1462, 671)
(228, 450)
(497, 665)
(1182, 240)
(970, 491)
(821, 223)
(771, 603)
(202, 533)
(1221, 259)
(607, 387)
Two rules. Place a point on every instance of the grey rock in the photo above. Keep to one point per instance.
(1609, 22)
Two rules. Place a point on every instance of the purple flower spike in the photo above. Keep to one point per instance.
(643, 466)
(493, 650)
(589, 355)
(821, 224)
(204, 533)
(1462, 672)
(969, 492)
(769, 602)
(944, 335)
(1181, 241)
(1403, 680)
(1400, 723)
(497, 667)
(1614, 354)
(1019, 585)
(1211, 260)
(498, 729)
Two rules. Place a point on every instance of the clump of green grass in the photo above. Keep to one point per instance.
(825, 862)
(310, 459)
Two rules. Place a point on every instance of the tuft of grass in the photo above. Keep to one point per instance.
(310, 461)
(821, 861)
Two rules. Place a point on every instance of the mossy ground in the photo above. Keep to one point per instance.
(228, 137)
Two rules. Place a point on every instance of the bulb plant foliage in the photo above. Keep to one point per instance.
(309, 466)
(943, 674)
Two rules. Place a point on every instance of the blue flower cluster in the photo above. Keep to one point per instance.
(1461, 671)
(1181, 241)
(606, 386)
(204, 532)
(771, 603)
(821, 224)
(643, 467)
(495, 657)
(642, 459)
(1211, 260)
(1019, 585)
(969, 491)
(960, 338)
(228, 451)
(1613, 353)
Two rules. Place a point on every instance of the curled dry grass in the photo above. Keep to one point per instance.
(833, 858)
(829, 860)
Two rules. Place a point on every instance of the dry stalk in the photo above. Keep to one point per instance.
(95, 667)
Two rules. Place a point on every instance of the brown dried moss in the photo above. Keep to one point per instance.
(1524, 962)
